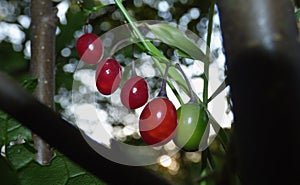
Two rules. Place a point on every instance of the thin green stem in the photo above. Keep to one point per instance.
(129, 19)
(94, 9)
(208, 42)
(157, 57)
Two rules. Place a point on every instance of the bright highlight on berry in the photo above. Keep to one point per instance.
(158, 121)
(134, 93)
(108, 76)
(89, 48)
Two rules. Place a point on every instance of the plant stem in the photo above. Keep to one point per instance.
(156, 56)
(135, 29)
(206, 64)
(163, 89)
(133, 72)
(193, 99)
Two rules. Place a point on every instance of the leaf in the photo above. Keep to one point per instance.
(16, 131)
(61, 171)
(3, 116)
(35, 174)
(172, 36)
(3, 127)
(19, 156)
(182, 54)
(73, 169)
(20, 163)
(84, 179)
(221, 134)
(90, 6)
(11, 130)
(79, 176)
(221, 87)
(30, 84)
(298, 14)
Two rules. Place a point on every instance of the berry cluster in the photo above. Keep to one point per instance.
(159, 121)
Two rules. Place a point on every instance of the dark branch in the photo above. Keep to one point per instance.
(66, 138)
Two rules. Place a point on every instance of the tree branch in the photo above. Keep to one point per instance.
(66, 138)
(43, 28)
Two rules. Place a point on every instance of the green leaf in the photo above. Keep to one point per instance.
(11, 130)
(3, 116)
(15, 131)
(154, 51)
(20, 160)
(182, 54)
(220, 89)
(35, 174)
(19, 156)
(174, 37)
(73, 169)
(298, 14)
(221, 134)
(79, 176)
(61, 171)
(30, 84)
(90, 6)
(3, 128)
(84, 179)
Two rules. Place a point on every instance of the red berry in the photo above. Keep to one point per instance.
(108, 76)
(158, 121)
(89, 48)
(134, 93)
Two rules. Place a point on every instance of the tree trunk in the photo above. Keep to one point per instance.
(263, 60)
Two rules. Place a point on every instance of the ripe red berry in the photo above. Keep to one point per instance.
(158, 121)
(108, 76)
(89, 48)
(134, 93)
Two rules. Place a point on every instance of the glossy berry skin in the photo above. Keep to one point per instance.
(192, 122)
(158, 121)
(134, 93)
(108, 76)
(89, 48)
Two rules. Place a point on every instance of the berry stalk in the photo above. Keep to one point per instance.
(193, 98)
(163, 89)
